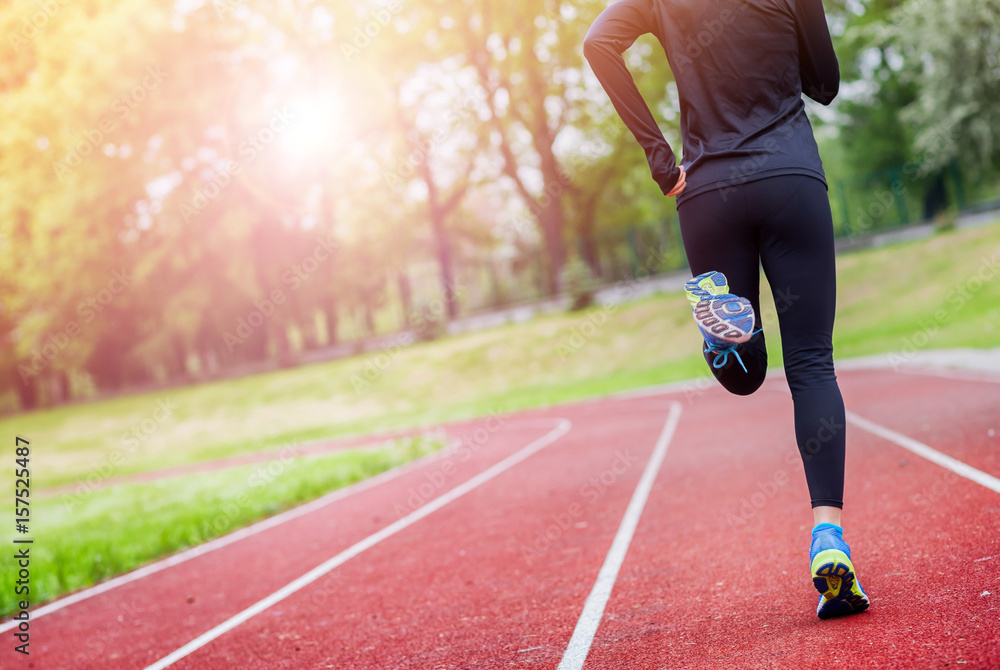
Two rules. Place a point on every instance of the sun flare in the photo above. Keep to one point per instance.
(318, 126)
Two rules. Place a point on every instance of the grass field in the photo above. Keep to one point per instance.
(83, 539)
(939, 292)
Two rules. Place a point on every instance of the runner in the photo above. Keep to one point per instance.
(751, 192)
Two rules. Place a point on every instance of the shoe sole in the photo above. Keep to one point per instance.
(705, 286)
(714, 318)
(834, 578)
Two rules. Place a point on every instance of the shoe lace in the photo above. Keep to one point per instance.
(722, 354)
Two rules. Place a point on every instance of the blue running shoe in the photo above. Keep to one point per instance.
(705, 286)
(833, 574)
(725, 320)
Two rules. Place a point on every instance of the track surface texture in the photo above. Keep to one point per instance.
(486, 554)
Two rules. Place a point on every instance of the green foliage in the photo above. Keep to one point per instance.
(579, 283)
(931, 78)
(952, 53)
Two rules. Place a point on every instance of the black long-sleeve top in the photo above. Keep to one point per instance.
(741, 67)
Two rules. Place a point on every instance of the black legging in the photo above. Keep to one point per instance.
(783, 223)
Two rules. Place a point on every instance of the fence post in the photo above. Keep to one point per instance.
(678, 238)
(633, 247)
(497, 294)
(665, 244)
(956, 176)
(405, 296)
(846, 224)
(542, 280)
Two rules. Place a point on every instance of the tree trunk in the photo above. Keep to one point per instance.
(176, 358)
(438, 212)
(27, 390)
(283, 349)
(405, 298)
(443, 248)
(369, 316)
(60, 387)
(588, 252)
(331, 323)
(551, 220)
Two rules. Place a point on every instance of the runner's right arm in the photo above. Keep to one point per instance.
(614, 31)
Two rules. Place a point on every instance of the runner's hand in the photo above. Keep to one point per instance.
(681, 183)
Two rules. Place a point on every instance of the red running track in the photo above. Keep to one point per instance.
(484, 556)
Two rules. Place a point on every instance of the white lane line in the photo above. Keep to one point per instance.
(593, 609)
(308, 578)
(931, 454)
(236, 536)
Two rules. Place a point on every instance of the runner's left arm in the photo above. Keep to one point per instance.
(820, 71)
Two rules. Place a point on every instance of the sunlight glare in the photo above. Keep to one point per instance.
(318, 127)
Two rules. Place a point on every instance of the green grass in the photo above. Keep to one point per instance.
(913, 296)
(82, 540)
(921, 295)
(908, 296)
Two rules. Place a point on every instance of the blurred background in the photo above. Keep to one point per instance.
(233, 230)
(170, 169)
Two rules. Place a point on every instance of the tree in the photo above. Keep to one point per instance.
(951, 50)
(527, 56)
